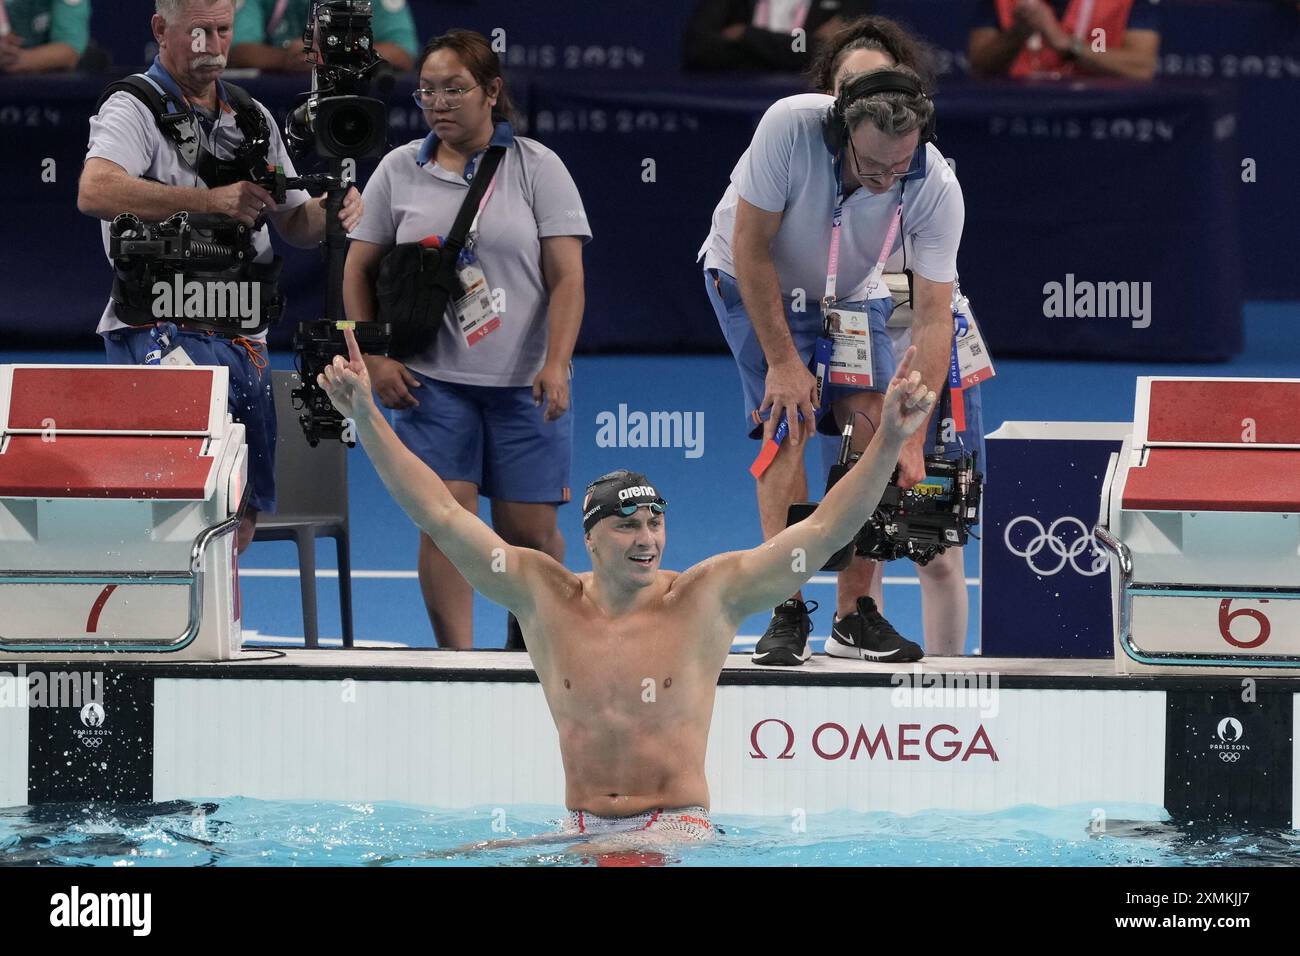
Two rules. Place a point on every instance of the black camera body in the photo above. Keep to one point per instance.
(918, 523)
(315, 344)
(213, 252)
(337, 122)
(935, 514)
(185, 239)
(338, 119)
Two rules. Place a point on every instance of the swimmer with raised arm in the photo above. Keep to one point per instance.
(634, 770)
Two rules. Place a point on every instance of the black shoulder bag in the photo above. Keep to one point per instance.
(416, 283)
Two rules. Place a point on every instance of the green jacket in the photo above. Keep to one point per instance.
(39, 22)
(393, 23)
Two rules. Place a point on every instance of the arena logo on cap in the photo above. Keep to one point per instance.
(636, 429)
(639, 491)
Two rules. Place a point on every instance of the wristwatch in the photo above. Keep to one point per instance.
(1074, 50)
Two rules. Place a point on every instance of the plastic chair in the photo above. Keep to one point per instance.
(312, 500)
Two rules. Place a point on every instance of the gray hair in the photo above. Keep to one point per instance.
(171, 9)
(894, 114)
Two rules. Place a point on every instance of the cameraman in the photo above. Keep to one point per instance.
(868, 44)
(768, 259)
(133, 166)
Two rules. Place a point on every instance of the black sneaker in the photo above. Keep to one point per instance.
(867, 636)
(785, 642)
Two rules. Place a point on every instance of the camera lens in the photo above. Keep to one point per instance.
(350, 129)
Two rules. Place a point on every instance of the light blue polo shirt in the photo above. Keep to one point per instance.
(410, 197)
(788, 168)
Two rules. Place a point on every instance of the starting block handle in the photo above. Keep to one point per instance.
(1127, 590)
(194, 578)
(1101, 534)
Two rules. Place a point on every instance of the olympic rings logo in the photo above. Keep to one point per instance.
(1065, 552)
(1230, 756)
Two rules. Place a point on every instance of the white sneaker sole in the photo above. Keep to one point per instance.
(837, 648)
(800, 658)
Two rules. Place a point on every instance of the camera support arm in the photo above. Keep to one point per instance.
(334, 247)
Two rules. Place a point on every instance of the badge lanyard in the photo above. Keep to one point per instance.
(473, 309)
(472, 235)
(473, 226)
(970, 354)
(954, 381)
(842, 354)
(833, 259)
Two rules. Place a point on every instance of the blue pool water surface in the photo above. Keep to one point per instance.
(245, 832)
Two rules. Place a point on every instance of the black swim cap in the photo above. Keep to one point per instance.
(619, 493)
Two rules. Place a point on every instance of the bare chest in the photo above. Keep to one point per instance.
(646, 668)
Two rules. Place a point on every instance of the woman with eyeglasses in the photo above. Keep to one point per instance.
(818, 204)
(488, 410)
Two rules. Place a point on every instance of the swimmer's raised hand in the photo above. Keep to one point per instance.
(347, 383)
(908, 402)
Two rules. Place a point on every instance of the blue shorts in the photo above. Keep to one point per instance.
(251, 400)
(492, 436)
(805, 327)
(972, 438)
(954, 442)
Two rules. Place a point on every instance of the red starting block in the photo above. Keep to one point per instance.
(120, 488)
(1201, 510)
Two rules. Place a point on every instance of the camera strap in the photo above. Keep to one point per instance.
(176, 123)
(469, 208)
(255, 148)
(418, 280)
(180, 126)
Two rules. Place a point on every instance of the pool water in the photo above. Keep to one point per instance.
(244, 832)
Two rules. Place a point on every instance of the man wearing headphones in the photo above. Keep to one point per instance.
(794, 264)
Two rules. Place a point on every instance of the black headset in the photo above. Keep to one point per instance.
(861, 87)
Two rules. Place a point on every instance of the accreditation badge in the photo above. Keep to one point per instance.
(973, 359)
(849, 331)
(474, 313)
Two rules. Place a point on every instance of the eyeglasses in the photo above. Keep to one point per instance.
(451, 98)
(628, 511)
(876, 179)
